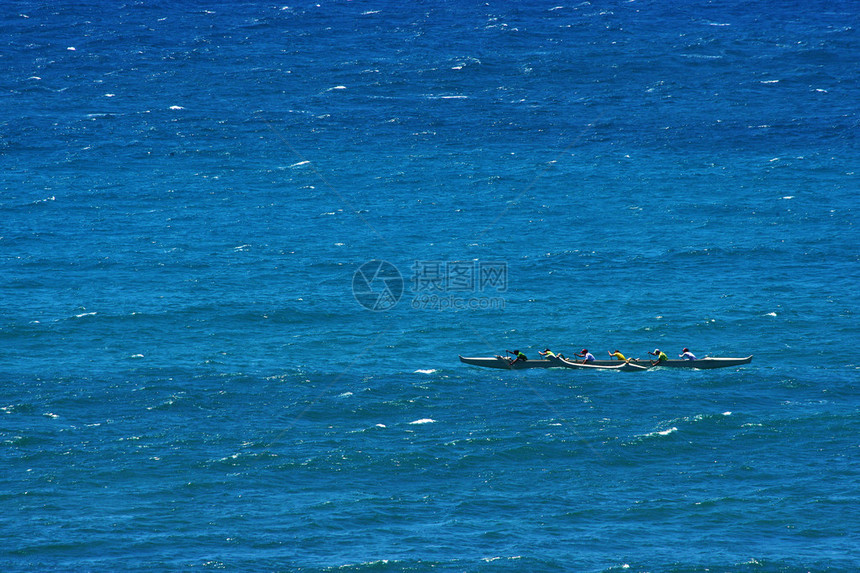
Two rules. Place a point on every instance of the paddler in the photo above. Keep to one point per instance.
(586, 356)
(687, 355)
(547, 353)
(661, 356)
(518, 356)
(617, 355)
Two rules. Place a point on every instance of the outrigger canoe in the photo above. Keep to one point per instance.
(630, 366)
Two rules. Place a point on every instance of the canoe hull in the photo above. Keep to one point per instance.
(702, 364)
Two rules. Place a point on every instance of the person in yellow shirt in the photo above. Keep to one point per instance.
(618, 355)
(518, 356)
(661, 356)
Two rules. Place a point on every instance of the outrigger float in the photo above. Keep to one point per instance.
(625, 366)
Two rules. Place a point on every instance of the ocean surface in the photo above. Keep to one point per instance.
(242, 245)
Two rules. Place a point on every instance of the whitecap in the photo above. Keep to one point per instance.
(380, 426)
(727, 413)
(85, 314)
(345, 395)
(71, 48)
(667, 432)
(136, 356)
(425, 371)
(771, 314)
(769, 81)
(422, 421)
(787, 197)
(299, 164)
(176, 107)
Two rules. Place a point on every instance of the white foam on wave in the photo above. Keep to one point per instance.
(425, 371)
(422, 421)
(299, 164)
(176, 107)
(83, 314)
(771, 314)
(671, 430)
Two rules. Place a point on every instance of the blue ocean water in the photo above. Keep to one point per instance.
(190, 379)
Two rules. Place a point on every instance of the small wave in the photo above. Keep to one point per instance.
(83, 314)
(176, 107)
(671, 430)
(422, 421)
(431, 371)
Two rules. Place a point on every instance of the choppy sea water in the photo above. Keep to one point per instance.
(190, 378)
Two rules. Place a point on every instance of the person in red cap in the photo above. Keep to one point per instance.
(687, 355)
(586, 355)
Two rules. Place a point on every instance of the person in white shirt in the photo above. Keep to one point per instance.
(687, 355)
(586, 355)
